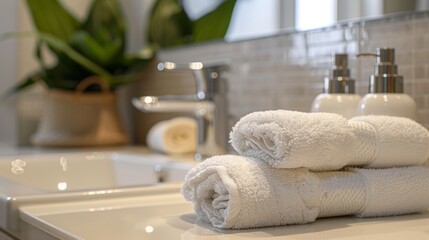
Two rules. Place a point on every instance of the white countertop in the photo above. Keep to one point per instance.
(8, 150)
(170, 217)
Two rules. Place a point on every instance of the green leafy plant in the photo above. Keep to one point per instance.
(94, 46)
(169, 25)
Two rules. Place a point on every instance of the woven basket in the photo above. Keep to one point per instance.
(80, 119)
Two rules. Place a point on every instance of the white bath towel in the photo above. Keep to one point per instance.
(234, 192)
(174, 136)
(394, 191)
(237, 192)
(398, 141)
(327, 141)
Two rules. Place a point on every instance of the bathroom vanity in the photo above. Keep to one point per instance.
(118, 207)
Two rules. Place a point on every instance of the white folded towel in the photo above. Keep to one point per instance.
(327, 141)
(238, 192)
(174, 136)
(398, 141)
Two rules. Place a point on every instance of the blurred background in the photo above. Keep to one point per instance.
(252, 19)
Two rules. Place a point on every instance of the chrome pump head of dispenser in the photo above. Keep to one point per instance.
(385, 78)
(340, 81)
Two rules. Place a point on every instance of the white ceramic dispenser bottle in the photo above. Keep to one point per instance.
(386, 89)
(339, 91)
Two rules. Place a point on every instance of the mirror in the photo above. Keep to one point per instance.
(260, 18)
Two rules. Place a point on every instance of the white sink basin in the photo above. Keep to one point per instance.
(49, 178)
(168, 216)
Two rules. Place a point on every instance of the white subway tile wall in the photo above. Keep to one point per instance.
(287, 71)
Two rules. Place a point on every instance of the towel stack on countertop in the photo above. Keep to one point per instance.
(295, 167)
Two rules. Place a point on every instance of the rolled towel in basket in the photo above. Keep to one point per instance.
(327, 141)
(236, 192)
(174, 136)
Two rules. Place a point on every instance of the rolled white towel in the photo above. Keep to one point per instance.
(236, 192)
(327, 141)
(398, 141)
(174, 136)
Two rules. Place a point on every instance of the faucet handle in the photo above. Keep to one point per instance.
(204, 75)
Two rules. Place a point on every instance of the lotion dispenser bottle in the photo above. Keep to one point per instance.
(339, 91)
(386, 89)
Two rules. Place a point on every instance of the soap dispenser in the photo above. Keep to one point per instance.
(339, 91)
(386, 89)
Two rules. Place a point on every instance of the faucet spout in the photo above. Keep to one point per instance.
(209, 105)
(210, 141)
(183, 104)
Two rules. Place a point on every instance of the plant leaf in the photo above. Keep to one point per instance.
(55, 78)
(104, 55)
(62, 47)
(214, 24)
(103, 35)
(105, 22)
(77, 57)
(50, 17)
(168, 24)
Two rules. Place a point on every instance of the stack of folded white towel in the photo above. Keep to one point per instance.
(295, 167)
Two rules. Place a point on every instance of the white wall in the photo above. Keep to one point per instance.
(8, 118)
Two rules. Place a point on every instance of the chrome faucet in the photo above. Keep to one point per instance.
(209, 105)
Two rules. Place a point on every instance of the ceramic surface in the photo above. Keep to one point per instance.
(48, 178)
(390, 104)
(170, 217)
